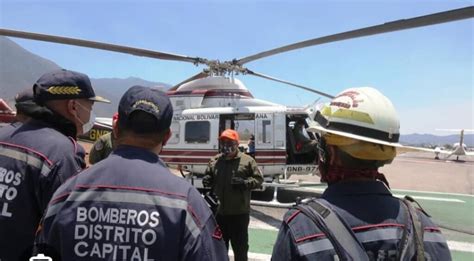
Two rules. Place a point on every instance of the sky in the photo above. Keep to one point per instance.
(426, 72)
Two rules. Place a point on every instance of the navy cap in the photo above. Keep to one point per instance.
(152, 101)
(64, 85)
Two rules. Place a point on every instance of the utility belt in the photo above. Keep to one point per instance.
(347, 245)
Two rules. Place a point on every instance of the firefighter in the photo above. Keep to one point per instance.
(232, 175)
(129, 206)
(251, 146)
(304, 144)
(39, 155)
(357, 217)
(104, 145)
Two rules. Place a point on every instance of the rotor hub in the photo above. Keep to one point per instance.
(216, 67)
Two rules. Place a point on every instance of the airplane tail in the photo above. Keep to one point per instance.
(458, 148)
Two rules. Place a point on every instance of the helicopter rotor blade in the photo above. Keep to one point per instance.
(200, 75)
(403, 24)
(99, 45)
(289, 83)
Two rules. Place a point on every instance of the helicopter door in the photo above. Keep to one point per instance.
(226, 122)
(243, 123)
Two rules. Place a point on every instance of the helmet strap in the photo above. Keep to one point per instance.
(335, 165)
(339, 173)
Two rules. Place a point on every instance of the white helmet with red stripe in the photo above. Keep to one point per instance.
(359, 113)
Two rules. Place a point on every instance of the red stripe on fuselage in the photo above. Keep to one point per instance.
(191, 152)
(209, 153)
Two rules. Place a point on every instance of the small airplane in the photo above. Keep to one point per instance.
(459, 148)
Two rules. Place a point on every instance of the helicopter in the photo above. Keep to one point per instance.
(214, 99)
(200, 115)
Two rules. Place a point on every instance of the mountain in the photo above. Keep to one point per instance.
(114, 88)
(429, 139)
(19, 69)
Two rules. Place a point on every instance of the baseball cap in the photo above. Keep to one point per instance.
(229, 134)
(151, 101)
(63, 85)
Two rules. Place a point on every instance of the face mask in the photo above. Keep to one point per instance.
(87, 126)
(228, 149)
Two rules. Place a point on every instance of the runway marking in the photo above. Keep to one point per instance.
(401, 196)
(461, 246)
(453, 246)
(257, 224)
(432, 192)
(419, 161)
(432, 198)
(322, 188)
(431, 161)
(253, 256)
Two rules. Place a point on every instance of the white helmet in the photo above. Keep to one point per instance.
(359, 113)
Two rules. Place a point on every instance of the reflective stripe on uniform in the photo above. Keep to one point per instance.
(381, 234)
(53, 209)
(314, 247)
(27, 158)
(135, 198)
(437, 237)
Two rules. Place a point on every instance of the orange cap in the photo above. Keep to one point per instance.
(229, 134)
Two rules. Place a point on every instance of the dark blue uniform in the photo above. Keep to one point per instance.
(375, 216)
(129, 206)
(34, 160)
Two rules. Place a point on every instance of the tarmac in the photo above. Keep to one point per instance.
(443, 187)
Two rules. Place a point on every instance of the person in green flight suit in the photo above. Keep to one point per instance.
(232, 175)
(104, 145)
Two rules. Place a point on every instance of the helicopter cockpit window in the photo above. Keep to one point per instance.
(197, 132)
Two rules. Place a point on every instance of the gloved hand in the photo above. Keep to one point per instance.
(207, 181)
(239, 183)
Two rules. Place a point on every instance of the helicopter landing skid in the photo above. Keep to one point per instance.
(274, 202)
